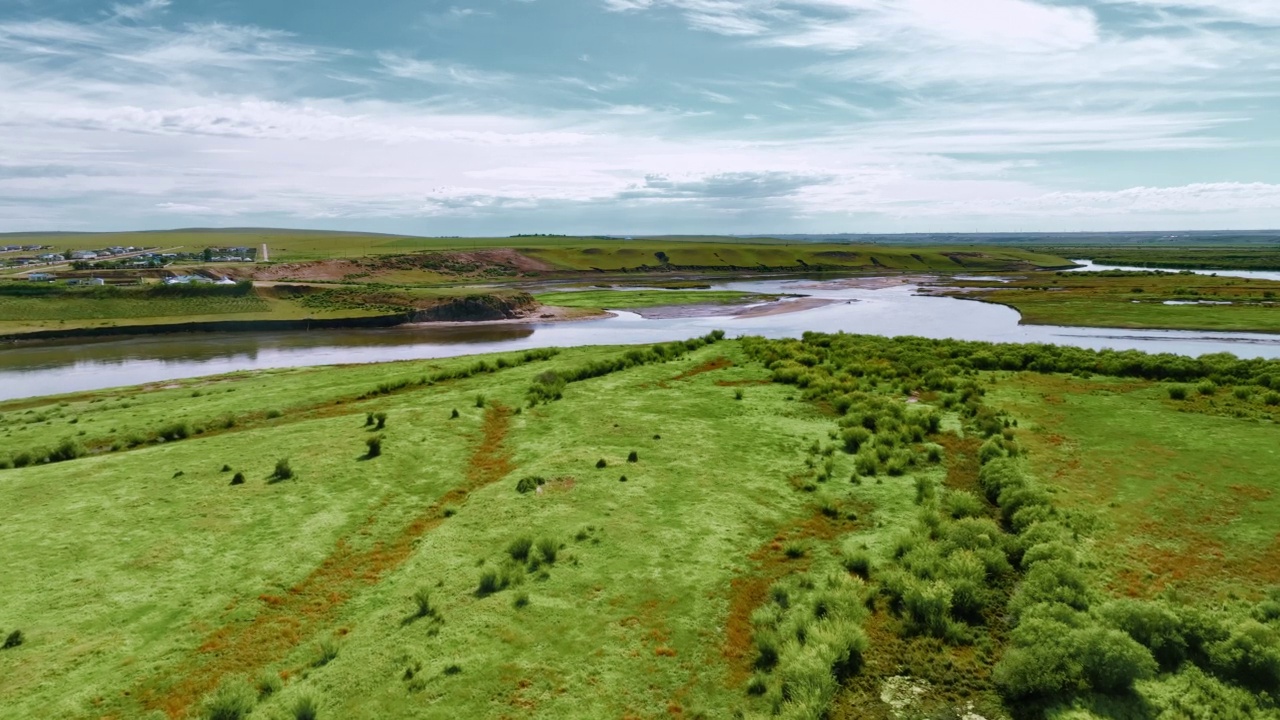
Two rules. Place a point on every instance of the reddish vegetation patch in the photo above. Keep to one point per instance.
(769, 564)
(962, 461)
(719, 363)
(285, 622)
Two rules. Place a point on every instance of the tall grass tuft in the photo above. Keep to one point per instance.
(232, 701)
(283, 470)
(14, 639)
(375, 446)
(548, 549)
(305, 709)
(519, 548)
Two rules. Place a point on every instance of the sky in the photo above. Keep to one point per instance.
(640, 116)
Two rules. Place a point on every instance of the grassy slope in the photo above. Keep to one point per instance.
(1187, 499)
(145, 564)
(1221, 257)
(647, 298)
(1097, 300)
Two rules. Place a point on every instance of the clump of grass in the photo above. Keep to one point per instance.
(520, 601)
(519, 548)
(375, 446)
(1208, 387)
(283, 470)
(529, 484)
(422, 604)
(858, 562)
(1177, 393)
(794, 550)
(737, 394)
(633, 457)
(267, 684)
(657, 437)
(381, 419)
(226, 468)
(1271, 399)
(368, 419)
(273, 414)
(14, 639)
(454, 414)
(622, 479)
(602, 464)
(238, 479)
(328, 651)
(232, 701)
(479, 401)
(452, 669)
(548, 549)
(305, 708)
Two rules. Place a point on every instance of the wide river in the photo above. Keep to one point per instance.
(28, 370)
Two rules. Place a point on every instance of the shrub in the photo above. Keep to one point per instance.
(933, 452)
(1272, 399)
(1242, 392)
(375, 446)
(22, 459)
(232, 701)
(519, 548)
(283, 470)
(962, 504)
(1250, 655)
(529, 484)
(14, 639)
(273, 414)
(305, 709)
(633, 457)
(602, 464)
(174, 431)
(1207, 388)
(238, 479)
(1151, 624)
(548, 549)
(381, 419)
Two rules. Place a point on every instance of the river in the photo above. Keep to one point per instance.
(54, 367)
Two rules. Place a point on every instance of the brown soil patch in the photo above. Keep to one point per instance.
(284, 622)
(769, 564)
(719, 363)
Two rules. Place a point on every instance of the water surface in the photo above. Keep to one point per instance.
(45, 368)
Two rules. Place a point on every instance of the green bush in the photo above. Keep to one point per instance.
(454, 414)
(1208, 387)
(602, 464)
(633, 457)
(14, 639)
(1271, 399)
(858, 562)
(381, 419)
(375, 446)
(963, 504)
(368, 419)
(1052, 659)
(238, 479)
(283, 470)
(1152, 624)
(1250, 655)
(174, 431)
(1177, 393)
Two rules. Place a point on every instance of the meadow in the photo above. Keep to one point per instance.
(1137, 300)
(835, 526)
(623, 299)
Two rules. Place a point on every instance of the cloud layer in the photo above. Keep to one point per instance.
(765, 115)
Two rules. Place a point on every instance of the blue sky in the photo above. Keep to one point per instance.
(640, 116)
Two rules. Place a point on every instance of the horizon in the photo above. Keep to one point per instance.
(828, 117)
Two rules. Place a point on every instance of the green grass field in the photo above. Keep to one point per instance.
(1137, 300)
(802, 532)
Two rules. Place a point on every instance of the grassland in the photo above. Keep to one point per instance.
(1221, 257)
(797, 535)
(1138, 300)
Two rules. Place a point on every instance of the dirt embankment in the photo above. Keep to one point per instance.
(473, 308)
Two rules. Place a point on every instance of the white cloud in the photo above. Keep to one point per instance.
(435, 72)
(138, 11)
